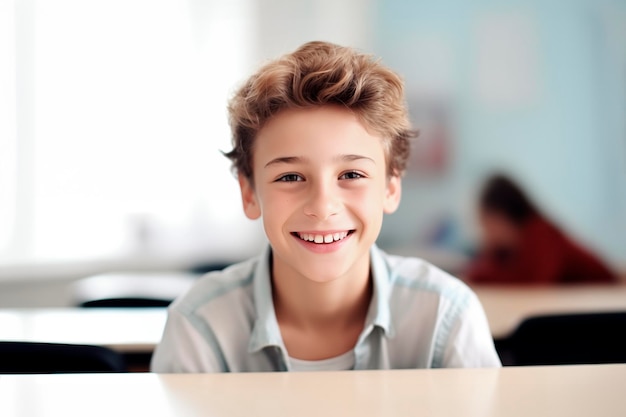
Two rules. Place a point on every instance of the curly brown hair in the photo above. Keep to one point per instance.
(318, 74)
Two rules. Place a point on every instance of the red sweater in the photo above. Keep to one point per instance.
(545, 255)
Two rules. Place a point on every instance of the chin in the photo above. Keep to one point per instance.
(321, 274)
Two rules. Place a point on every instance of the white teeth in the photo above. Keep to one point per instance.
(329, 238)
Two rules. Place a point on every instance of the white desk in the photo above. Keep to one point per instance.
(129, 330)
(510, 392)
(507, 306)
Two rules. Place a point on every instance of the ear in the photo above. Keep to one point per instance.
(393, 192)
(251, 206)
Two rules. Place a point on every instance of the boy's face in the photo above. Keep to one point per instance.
(321, 186)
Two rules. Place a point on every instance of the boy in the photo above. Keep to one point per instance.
(321, 139)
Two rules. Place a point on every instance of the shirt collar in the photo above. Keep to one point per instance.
(379, 313)
(266, 331)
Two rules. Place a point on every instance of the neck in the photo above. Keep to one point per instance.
(302, 302)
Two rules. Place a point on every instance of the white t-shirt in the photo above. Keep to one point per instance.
(343, 362)
(419, 317)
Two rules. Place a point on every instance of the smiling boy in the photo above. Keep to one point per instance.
(320, 142)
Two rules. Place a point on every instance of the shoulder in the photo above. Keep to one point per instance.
(540, 230)
(230, 286)
(209, 323)
(413, 276)
(437, 314)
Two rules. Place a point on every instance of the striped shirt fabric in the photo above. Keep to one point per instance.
(419, 317)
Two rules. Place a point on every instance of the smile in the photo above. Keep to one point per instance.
(323, 238)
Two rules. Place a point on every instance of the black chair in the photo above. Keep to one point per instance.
(55, 358)
(568, 339)
(128, 302)
(203, 268)
(131, 289)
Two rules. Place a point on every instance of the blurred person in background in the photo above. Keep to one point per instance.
(520, 245)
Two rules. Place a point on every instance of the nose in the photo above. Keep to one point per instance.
(323, 201)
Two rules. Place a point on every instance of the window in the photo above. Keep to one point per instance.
(120, 119)
(7, 124)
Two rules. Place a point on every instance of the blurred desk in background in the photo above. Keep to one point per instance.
(555, 391)
(131, 289)
(136, 331)
(124, 330)
(507, 306)
(133, 332)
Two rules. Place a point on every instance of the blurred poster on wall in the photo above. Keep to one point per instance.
(507, 62)
(431, 151)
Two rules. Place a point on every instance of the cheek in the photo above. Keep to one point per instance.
(275, 206)
(280, 201)
(367, 200)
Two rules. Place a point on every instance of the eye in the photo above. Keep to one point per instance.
(290, 178)
(351, 175)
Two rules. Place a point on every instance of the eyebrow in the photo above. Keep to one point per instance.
(300, 159)
(353, 157)
(285, 160)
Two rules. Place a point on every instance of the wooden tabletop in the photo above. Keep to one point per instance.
(570, 391)
(507, 306)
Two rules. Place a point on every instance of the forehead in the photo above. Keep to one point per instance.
(316, 133)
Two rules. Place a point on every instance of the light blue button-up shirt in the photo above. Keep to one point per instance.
(419, 317)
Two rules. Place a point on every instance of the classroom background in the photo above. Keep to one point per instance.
(113, 119)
